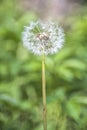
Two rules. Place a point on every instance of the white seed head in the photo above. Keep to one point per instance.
(41, 37)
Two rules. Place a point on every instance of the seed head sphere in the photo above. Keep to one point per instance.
(43, 37)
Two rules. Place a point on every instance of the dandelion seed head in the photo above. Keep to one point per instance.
(41, 37)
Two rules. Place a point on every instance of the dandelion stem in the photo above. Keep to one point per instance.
(44, 93)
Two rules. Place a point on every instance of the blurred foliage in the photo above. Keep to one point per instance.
(20, 76)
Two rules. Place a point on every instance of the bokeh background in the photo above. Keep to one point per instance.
(20, 70)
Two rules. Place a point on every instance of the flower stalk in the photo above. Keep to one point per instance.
(44, 93)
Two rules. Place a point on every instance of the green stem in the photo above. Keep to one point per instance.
(44, 93)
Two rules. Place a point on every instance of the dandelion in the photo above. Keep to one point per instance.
(43, 39)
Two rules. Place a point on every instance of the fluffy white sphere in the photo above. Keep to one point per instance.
(41, 37)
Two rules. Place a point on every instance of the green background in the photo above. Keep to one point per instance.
(20, 75)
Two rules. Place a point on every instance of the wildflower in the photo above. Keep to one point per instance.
(43, 38)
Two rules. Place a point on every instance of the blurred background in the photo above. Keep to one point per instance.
(20, 70)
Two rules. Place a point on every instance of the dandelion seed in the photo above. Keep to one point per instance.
(41, 37)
